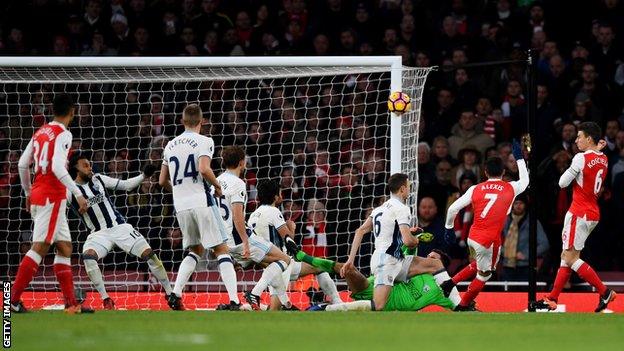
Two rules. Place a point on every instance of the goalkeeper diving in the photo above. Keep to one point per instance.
(421, 289)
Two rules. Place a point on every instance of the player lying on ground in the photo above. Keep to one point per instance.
(268, 222)
(418, 292)
(587, 174)
(187, 173)
(47, 204)
(108, 227)
(491, 201)
(390, 223)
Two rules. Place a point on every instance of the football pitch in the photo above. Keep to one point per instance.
(297, 331)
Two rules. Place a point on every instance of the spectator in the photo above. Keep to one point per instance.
(442, 188)
(465, 133)
(431, 222)
(314, 240)
(98, 47)
(211, 19)
(606, 52)
(515, 248)
(120, 32)
(426, 168)
(469, 161)
(440, 150)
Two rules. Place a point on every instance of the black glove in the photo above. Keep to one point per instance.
(149, 170)
(291, 247)
(516, 150)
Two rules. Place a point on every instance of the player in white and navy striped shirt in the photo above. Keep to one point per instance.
(108, 227)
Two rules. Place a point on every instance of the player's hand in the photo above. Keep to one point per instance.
(218, 192)
(516, 150)
(27, 203)
(602, 144)
(520, 256)
(149, 170)
(291, 225)
(416, 230)
(82, 204)
(346, 268)
(246, 251)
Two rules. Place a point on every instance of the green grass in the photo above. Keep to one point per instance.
(320, 331)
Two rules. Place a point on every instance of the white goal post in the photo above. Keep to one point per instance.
(337, 105)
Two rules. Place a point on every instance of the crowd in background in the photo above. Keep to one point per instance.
(328, 144)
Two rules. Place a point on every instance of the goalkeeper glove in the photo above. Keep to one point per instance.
(516, 150)
(291, 247)
(149, 170)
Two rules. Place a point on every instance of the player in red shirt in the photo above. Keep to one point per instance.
(47, 204)
(491, 201)
(586, 174)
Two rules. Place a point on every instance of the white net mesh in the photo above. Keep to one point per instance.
(323, 131)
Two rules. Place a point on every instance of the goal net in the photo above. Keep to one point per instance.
(318, 125)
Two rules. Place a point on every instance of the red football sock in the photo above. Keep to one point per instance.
(469, 272)
(474, 289)
(589, 275)
(65, 278)
(563, 275)
(27, 269)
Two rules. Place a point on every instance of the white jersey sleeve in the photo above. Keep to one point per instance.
(521, 184)
(115, 184)
(24, 167)
(206, 147)
(460, 203)
(59, 161)
(574, 171)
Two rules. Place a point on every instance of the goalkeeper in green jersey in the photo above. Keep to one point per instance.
(418, 292)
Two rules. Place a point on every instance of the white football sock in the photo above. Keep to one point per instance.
(228, 276)
(187, 267)
(442, 276)
(158, 270)
(95, 275)
(363, 305)
(269, 275)
(329, 287)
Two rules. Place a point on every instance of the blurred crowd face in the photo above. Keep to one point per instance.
(589, 73)
(467, 121)
(440, 148)
(443, 172)
(321, 44)
(519, 208)
(423, 154)
(557, 66)
(568, 132)
(514, 89)
(445, 99)
(484, 106)
(605, 36)
(427, 209)
(542, 94)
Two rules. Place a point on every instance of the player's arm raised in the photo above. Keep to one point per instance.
(521, 184)
(572, 172)
(460, 203)
(366, 227)
(128, 184)
(59, 168)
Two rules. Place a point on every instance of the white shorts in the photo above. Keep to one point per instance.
(258, 249)
(124, 236)
(50, 222)
(486, 257)
(200, 226)
(388, 269)
(575, 231)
